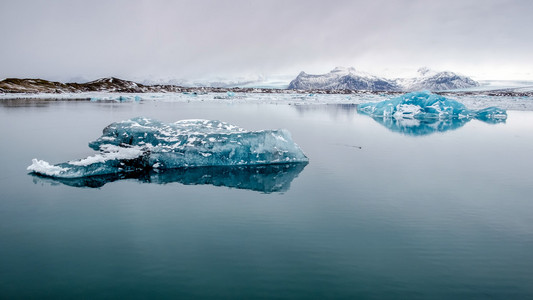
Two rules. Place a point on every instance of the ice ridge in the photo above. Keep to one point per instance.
(142, 144)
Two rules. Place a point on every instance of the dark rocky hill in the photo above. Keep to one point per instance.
(109, 84)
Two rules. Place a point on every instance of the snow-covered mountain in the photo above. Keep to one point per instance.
(437, 81)
(343, 79)
(350, 79)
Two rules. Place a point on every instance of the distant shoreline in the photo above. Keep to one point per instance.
(20, 87)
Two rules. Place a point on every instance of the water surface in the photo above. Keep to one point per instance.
(376, 213)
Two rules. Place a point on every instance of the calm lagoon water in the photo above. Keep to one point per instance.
(378, 213)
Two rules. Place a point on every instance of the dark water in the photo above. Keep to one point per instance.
(378, 213)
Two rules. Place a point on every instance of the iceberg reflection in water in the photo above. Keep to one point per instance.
(423, 113)
(420, 127)
(260, 178)
(425, 127)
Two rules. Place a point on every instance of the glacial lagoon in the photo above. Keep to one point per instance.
(382, 210)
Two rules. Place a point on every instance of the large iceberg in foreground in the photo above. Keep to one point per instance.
(423, 113)
(142, 144)
(425, 105)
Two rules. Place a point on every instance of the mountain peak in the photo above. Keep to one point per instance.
(342, 78)
(423, 71)
(343, 70)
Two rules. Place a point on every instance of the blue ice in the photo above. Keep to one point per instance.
(425, 105)
(423, 113)
(143, 143)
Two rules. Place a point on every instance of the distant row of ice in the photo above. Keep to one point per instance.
(470, 101)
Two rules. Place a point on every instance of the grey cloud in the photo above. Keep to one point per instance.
(206, 39)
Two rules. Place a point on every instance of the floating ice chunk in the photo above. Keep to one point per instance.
(120, 98)
(491, 114)
(229, 95)
(144, 144)
(418, 105)
(424, 105)
(123, 98)
(422, 113)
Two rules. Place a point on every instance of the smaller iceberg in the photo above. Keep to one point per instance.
(143, 144)
(425, 105)
(120, 98)
(423, 113)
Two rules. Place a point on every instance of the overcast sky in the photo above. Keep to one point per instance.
(134, 39)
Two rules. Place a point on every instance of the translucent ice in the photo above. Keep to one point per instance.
(491, 114)
(144, 144)
(424, 106)
(422, 113)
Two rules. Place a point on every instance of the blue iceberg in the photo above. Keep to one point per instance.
(142, 144)
(423, 113)
(425, 105)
